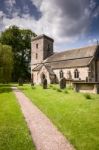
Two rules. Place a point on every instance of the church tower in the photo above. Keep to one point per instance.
(41, 48)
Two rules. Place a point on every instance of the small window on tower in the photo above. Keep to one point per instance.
(48, 47)
(36, 45)
(36, 56)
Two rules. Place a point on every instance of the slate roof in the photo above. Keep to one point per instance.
(73, 54)
(73, 58)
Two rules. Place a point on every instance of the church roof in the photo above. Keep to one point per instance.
(70, 63)
(73, 58)
(73, 54)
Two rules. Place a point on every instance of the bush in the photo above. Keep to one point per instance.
(66, 92)
(59, 90)
(87, 96)
(33, 87)
(50, 86)
(54, 88)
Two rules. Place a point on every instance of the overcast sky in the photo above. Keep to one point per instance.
(72, 23)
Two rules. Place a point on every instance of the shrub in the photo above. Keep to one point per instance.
(54, 88)
(87, 96)
(59, 90)
(33, 87)
(66, 91)
(51, 86)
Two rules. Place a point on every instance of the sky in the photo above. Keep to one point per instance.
(71, 23)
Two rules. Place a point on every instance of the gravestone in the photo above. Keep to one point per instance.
(32, 83)
(20, 81)
(44, 83)
(62, 83)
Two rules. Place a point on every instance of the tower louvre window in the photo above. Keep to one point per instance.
(36, 45)
(48, 47)
(36, 56)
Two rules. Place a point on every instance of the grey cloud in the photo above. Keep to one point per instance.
(65, 20)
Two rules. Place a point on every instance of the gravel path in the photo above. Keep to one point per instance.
(44, 134)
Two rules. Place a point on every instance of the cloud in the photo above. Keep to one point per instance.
(93, 41)
(96, 12)
(64, 20)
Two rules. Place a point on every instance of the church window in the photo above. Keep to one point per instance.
(48, 47)
(36, 56)
(61, 74)
(36, 45)
(76, 73)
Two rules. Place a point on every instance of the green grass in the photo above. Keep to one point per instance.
(14, 134)
(74, 115)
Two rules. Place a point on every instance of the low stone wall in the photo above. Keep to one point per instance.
(86, 87)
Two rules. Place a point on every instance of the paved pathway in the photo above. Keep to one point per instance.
(44, 133)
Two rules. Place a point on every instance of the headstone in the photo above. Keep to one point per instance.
(20, 81)
(63, 83)
(32, 83)
(44, 83)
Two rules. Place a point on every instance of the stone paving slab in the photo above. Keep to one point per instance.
(44, 134)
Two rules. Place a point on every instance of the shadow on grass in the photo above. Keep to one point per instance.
(5, 88)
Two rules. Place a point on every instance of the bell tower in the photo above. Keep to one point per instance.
(41, 48)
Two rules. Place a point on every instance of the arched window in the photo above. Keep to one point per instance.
(76, 73)
(36, 56)
(61, 74)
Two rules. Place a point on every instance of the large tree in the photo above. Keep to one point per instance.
(20, 41)
(6, 63)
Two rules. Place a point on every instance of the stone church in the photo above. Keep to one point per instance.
(80, 64)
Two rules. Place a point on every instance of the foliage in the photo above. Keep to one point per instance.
(6, 63)
(14, 134)
(54, 88)
(59, 90)
(50, 86)
(66, 91)
(20, 41)
(75, 117)
(87, 96)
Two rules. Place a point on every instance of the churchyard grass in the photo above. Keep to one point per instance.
(14, 134)
(73, 114)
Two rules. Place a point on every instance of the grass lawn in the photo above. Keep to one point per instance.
(74, 115)
(14, 134)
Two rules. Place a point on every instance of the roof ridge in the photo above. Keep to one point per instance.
(69, 50)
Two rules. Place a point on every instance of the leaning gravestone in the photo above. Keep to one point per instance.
(20, 81)
(62, 83)
(44, 83)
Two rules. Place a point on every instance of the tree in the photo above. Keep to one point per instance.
(6, 63)
(20, 41)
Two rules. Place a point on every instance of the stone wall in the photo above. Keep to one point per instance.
(83, 73)
(37, 75)
(41, 48)
(38, 51)
(98, 70)
(48, 48)
(87, 87)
